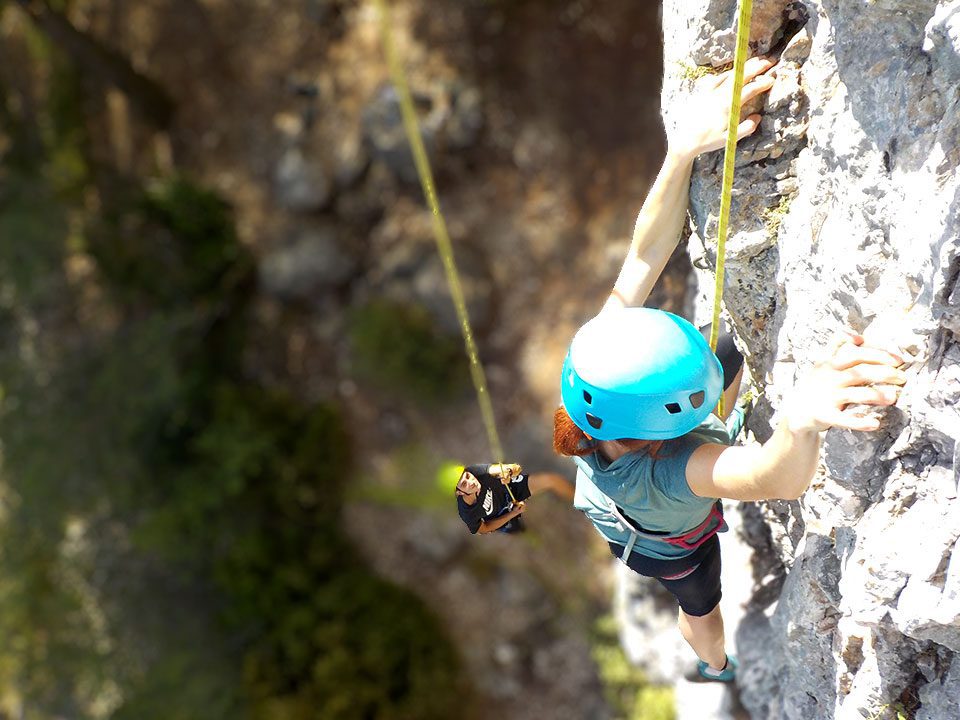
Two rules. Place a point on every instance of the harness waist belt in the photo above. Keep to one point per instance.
(688, 540)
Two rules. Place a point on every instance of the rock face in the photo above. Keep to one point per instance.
(846, 214)
(311, 262)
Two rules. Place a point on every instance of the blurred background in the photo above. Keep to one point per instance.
(233, 392)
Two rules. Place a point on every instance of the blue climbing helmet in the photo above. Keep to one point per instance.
(639, 373)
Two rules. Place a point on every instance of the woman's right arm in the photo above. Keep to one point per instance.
(783, 467)
(660, 222)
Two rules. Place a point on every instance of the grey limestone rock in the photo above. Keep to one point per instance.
(450, 118)
(846, 215)
(714, 42)
(301, 182)
(384, 132)
(309, 264)
(942, 40)
(408, 270)
(940, 699)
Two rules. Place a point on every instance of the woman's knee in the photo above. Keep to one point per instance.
(696, 616)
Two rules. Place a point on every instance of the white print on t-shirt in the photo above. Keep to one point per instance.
(488, 502)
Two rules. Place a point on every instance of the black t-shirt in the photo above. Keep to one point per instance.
(492, 500)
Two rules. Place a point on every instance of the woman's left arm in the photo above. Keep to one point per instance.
(664, 210)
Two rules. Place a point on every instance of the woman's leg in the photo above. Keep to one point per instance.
(705, 635)
(699, 596)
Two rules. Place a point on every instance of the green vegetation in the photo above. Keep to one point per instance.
(630, 695)
(204, 263)
(896, 711)
(399, 349)
(170, 540)
(691, 73)
(773, 216)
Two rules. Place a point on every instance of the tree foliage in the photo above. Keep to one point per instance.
(170, 538)
(397, 347)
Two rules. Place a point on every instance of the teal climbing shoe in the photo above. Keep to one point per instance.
(728, 674)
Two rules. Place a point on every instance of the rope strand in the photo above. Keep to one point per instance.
(729, 158)
(440, 234)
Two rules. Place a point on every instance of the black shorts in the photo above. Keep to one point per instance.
(697, 592)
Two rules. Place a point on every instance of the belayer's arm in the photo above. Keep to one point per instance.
(659, 224)
(489, 526)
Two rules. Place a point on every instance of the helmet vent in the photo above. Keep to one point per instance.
(594, 421)
(588, 397)
(673, 408)
(697, 399)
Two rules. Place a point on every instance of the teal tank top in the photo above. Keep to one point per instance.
(652, 492)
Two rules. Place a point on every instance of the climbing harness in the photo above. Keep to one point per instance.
(740, 59)
(442, 237)
(687, 540)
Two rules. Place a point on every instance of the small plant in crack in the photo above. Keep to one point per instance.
(773, 216)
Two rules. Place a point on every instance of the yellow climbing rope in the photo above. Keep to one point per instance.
(740, 59)
(440, 234)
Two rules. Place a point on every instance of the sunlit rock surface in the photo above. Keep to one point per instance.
(846, 214)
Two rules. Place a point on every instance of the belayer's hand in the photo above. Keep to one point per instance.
(855, 374)
(703, 125)
(505, 471)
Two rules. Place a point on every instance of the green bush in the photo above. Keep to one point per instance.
(628, 692)
(261, 497)
(32, 231)
(398, 348)
(172, 245)
(366, 648)
(231, 493)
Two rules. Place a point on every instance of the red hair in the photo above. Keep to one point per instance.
(569, 440)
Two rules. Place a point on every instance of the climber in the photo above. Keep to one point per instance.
(638, 388)
(484, 503)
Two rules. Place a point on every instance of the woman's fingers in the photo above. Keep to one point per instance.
(756, 87)
(748, 127)
(871, 375)
(844, 337)
(848, 355)
(855, 420)
(851, 420)
(753, 67)
(868, 395)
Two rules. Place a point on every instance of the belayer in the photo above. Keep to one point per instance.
(492, 497)
(639, 387)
